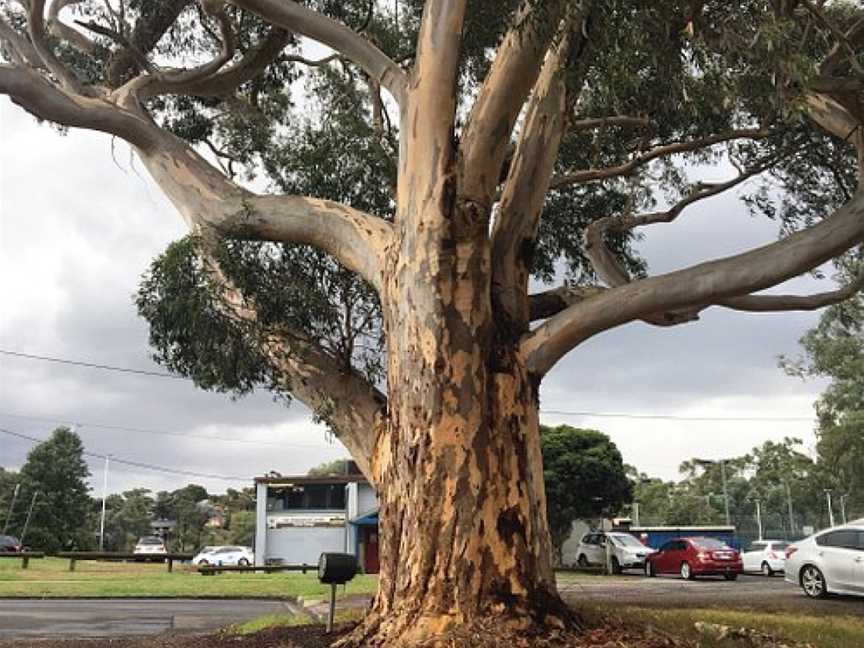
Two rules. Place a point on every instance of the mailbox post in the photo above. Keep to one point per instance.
(335, 569)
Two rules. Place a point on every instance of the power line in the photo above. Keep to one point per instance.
(91, 365)
(139, 464)
(662, 417)
(136, 430)
(672, 417)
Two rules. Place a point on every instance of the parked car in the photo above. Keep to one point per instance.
(691, 557)
(10, 544)
(829, 562)
(626, 551)
(233, 555)
(150, 546)
(766, 556)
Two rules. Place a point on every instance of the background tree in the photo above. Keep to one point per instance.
(835, 349)
(57, 471)
(584, 477)
(127, 518)
(384, 279)
(330, 468)
(8, 480)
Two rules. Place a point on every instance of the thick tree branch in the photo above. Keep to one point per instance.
(773, 303)
(36, 27)
(429, 112)
(514, 72)
(61, 30)
(704, 284)
(296, 18)
(44, 100)
(525, 189)
(666, 150)
(551, 302)
(209, 201)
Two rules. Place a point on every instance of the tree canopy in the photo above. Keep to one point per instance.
(585, 478)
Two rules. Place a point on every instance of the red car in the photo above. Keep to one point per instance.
(693, 557)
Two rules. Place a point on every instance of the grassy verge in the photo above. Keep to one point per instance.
(50, 578)
(821, 632)
(282, 620)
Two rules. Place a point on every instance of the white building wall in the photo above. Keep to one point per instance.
(295, 545)
(366, 499)
(260, 523)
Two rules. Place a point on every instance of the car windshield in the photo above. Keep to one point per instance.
(626, 541)
(9, 540)
(709, 543)
(150, 540)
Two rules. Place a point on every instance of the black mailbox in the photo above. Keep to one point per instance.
(336, 568)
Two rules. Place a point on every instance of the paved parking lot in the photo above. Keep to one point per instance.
(748, 592)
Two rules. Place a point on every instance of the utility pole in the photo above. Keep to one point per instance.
(11, 507)
(843, 499)
(789, 502)
(635, 514)
(759, 516)
(830, 510)
(104, 496)
(29, 515)
(725, 492)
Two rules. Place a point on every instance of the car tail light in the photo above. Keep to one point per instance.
(790, 551)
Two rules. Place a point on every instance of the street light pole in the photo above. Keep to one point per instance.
(843, 499)
(725, 492)
(789, 502)
(29, 515)
(104, 496)
(759, 516)
(11, 507)
(830, 510)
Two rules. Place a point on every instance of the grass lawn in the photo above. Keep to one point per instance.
(821, 632)
(51, 578)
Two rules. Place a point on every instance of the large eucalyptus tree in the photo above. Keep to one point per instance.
(450, 150)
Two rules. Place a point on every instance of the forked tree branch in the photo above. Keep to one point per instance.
(514, 72)
(701, 285)
(36, 30)
(299, 19)
(525, 188)
(61, 30)
(774, 303)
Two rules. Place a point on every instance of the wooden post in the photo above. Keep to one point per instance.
(71, 564)
(170, 565)
(25, 561)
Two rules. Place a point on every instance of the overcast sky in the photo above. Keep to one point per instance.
(80, 221)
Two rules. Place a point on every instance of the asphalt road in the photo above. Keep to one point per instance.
(747, 593)
(116, 617)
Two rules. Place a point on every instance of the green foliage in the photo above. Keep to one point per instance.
(584, 477)
(834, 349)
(330, 468)
(56, 472)
(127, 518)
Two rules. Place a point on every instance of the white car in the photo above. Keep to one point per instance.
(148, 546)
(225, 556)
(830, 562)
(766, 556)
(627, 552)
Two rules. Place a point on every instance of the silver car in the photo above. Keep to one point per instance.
(830, 562)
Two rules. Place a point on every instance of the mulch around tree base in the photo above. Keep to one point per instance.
(315, 637)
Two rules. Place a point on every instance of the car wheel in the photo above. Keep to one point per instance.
(243, 562)
(649, 569)
(686, 571)
(583, 561)
(766, 569)
(730, 576)
(813, 582)
(616, 566)
(203, 563)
